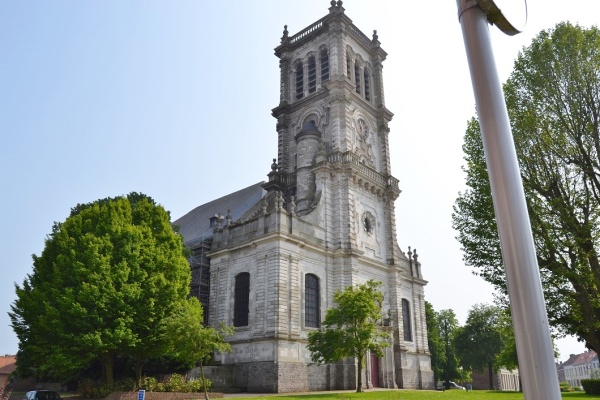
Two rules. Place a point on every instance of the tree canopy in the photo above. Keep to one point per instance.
(449, 362)
(106, 282)
(351, 328)
(435, 342)
(553, 100)
(480, 341)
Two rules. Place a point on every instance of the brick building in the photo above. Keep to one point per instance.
(268, 258)
(503, 379)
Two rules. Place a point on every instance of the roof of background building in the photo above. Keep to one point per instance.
(196, 223)
(584, 358)
(7, 364)
(579, 359)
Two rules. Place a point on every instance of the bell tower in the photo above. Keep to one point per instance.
(332, 127)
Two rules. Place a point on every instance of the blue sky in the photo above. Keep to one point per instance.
(174, 98)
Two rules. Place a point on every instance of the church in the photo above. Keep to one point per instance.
(268, 258)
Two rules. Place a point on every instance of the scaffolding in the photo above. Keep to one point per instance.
(200, 268)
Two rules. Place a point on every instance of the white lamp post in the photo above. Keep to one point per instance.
(528, 308)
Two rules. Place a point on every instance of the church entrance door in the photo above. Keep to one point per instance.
(374, 371)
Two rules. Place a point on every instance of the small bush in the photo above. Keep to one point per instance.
(150, 384)
(176, 383)
(591, 386)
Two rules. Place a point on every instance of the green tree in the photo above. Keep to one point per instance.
(193, 342)
(553, 100)
(106, 281)
(351, 328)
(508, 355)
(448, 326)
(479, 341)
(435, 342)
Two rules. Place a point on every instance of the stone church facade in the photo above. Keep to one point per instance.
(268, 258)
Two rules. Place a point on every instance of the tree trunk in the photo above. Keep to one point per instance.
(359, 388)
(107, 366)
(138, 373)
(491, 375)
(203, 380)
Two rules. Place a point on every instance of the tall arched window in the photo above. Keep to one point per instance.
(349, 67)
(367, 81)
(406, 320)
(299, 81)
(312, 75)
(324, 66)
(312, 309)
(241, 303)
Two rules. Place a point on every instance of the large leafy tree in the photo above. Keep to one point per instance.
(449, 363)
(553, 100)
(479, 341)
(351, 328)
(435, 342)
(508, 355)
(107, 280)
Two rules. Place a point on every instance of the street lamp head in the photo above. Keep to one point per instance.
(508, 15)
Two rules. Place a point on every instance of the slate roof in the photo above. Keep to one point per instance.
(196, 223)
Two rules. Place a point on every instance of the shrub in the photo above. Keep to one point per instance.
(176, 383)
(591, 386)
(150, 384)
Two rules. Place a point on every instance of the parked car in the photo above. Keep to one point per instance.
(42, 395)
(454, 385)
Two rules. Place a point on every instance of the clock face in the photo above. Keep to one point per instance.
(368, 221)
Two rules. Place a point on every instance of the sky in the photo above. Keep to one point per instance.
(173, 99)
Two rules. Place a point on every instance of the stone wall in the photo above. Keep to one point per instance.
(161, 396)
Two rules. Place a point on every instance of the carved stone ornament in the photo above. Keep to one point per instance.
(364, 142)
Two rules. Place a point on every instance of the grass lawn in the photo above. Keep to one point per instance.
(417, 395)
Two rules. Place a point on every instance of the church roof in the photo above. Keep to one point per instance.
(196, 224)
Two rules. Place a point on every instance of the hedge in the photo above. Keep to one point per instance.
(591, 386)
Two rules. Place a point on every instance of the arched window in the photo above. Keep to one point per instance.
(324, 66)
(241, 303)
(349, 67)
(312, 75)
(357, 77)
(312, 309)
(367, 81)
(406, 320)
(299, 81)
